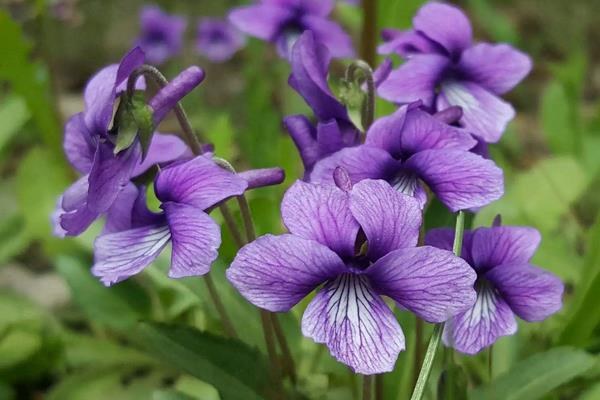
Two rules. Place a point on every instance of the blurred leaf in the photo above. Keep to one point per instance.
(537, 375)
(585, 313)
(17, 346)
(6, 392)
(222, 134)
(13, 115)
(119, 307)
(237, 371)
(39, 182)
(453, 383)
(499, 26)
(29, 80)
(123, 383)
(555, 119)
(196, 388)
(85, 351)
(592, 393)
(13, 236)
(171, 395)
(539, 196)
(396, 14)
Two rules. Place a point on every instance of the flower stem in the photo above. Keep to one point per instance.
(272, 352)
(367, 384)
(438, 328)
(369, 31)
(379, 387)
(231, 225)
(193, 141)
(214, 295)
(288, 360)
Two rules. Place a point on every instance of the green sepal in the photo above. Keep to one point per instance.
(133, 119)
(353, 97)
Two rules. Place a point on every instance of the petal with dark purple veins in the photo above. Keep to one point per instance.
(356, 325)
(481, 325)
(460, 179)
(195, 238)
(432, 283)
(199, 182)
(532, 293)
(276, 272)
(498, 68)
(390, 220)
(320, 213)
(121, 255)
(504, 245)
(485, 115)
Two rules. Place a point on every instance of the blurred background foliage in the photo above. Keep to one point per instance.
(64, 336)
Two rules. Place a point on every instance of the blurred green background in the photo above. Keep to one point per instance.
(64, 336)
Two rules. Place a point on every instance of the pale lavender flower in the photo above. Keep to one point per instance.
(283, 21)
(218, 40)
(188, 191)
(89, 144)
(412, 147)
(445, 68)
(359, 242)
(507, 285)
(161, 35)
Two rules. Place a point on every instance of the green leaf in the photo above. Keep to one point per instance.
(537, 375)
(30, 81)
(541, 195)
(171, 395)
(13, 115)
(124, 383)
(39, 182)
(119, 307)
(17, 346)
(585, 313)
(555, 119)
(237, 371)
(592, 393)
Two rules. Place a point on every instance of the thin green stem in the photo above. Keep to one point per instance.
(367, 387)
(214, 295)
(288, 360)
(231, 225)
(272, 353)
(379, 387)
(193, 141)
(368, 40)
(438, 328)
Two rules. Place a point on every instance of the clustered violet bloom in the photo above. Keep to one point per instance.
(282, 21)
(161, 35)
(90, 145)
(410, 147)
(444, 68)
(186, 191)
(218, 40)
(507, 285)
(359, 241)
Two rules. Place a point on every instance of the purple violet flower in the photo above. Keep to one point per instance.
(187, 191)
(359, 241)
(507, 285)
(411, 146)
(445, 68)
(161, 34)
(89, 144)
(334, 131)
(218, 40)
(283, 21)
